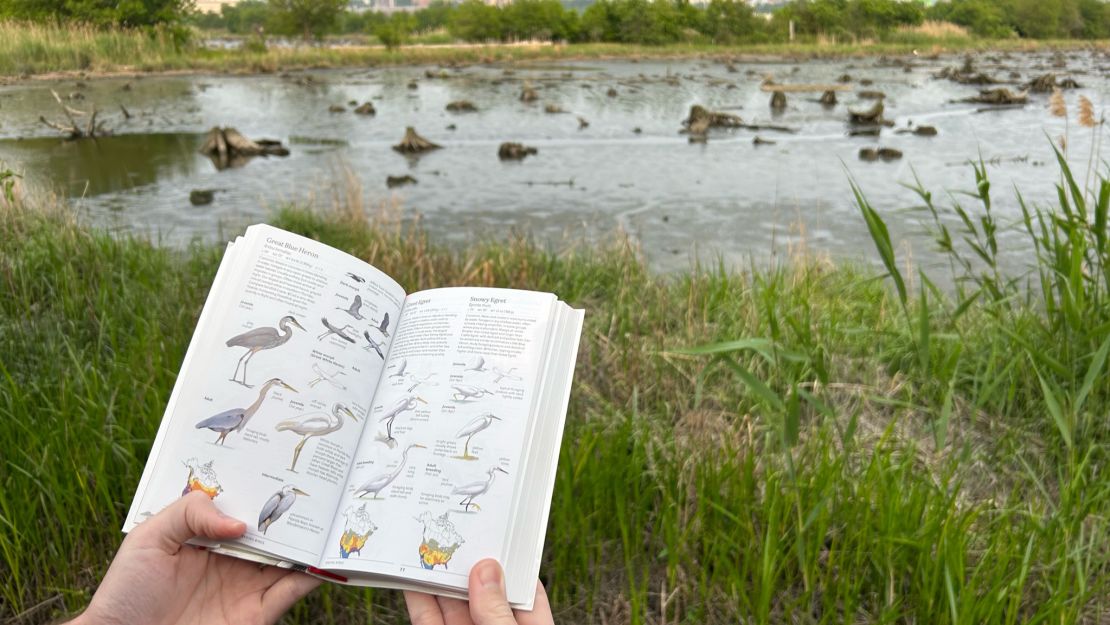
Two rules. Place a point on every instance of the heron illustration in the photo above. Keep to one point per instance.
(235, 420)
(259, 339)
(464, 392)
(340, 332)
(415, 381)
(356, 277)
(402, 405)
(377, 484)
(314, 424)
(330, 378)
(499, 375)
(479, 364)
(383, 325)
(470, 429)
(374, 345)
(277, 505)
(473, 489)
(400, 372)
(354, 309)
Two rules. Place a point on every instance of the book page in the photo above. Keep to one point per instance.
(274, 391)
(431, 490)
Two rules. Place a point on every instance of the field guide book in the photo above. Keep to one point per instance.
(368, 435)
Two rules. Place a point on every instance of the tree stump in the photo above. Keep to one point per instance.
(413, 143)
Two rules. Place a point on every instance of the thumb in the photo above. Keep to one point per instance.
(194, 515)
(488, 603)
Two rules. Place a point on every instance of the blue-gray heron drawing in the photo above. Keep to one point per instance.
(336, 330)
(466, 392)
(314, 424)
(354, 309)
(376, 346)
(470, 429)
(473, 489)
(383, 325)
(402, 405)
(277, 505)
(235, 420)
(377, 484)
(259, 339)
(356, 277)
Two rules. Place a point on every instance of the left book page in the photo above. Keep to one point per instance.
(271, 399)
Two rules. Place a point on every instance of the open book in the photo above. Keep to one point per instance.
(378, 438)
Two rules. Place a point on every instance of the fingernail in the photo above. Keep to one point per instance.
(490, 574)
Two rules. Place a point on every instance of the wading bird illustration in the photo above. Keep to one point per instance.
(277, 505)
(377, 484)
(464, 392)
(470, 429)
(479, 364)
(499, 375)
(340, 332)
(415, 382)
(402, 405)
(259, 339)
(330, 378)
(356, 277)
(400, 372)
(354, 309)
(383, 325)
(374, 345)
(473, 489)
(236, 419)
(314, 424)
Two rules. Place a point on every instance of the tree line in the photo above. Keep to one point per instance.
(650, 22)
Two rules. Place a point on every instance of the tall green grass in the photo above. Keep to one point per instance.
(794, 444)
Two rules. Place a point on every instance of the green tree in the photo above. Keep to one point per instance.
(394, 31)
(127, 13)
(474, 20)
(984, 18)
(729, 21)
(538, 19)
(310, 18)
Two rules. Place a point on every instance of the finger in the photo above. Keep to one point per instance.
(488, 604)
(191, 516)
(423, 609)
(285, 592)
(455, 611)
(541, 611)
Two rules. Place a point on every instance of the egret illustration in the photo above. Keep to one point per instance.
(400, 372)
(201, 477)
(314, 424)
(415, 381)
(330, 378)
(499, 374)
(354, 309)
(402, 405)
(473, 489)
(383, 325)
(479, 364)
(376, 346)
(259, 339)
(464, 392)
(340, 332)
(377, 484)
(470, 429)
(235, 420)
(277, 506)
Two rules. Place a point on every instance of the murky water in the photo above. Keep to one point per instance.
(628, 169)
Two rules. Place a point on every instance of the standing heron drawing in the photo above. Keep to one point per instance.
(235, 420)
(377, 484)
(474, 489)
(470, 429)
(259, 339)
(402, 405)
(314, 424)
(277, 505)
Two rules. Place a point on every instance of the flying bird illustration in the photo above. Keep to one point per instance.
(374, 345)
(259, 339)
(277, 505)
(499, 375)
(236, 419)
(470, 429)
(330, 378)
(400, 372)
(377, 484)
(474, 489)
(383, 325)
(340, 332)
(314, 424)
(479, 364)
(464, 392)
(356, 277)
(354, 309)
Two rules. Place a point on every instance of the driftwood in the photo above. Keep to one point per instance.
(553, 109)
(921, 131)
(803, 88)
(1001, 96)
(399, 181)
(510, 151)
(90, 130)
(871, 95)
(227, 147)
(761, 141)
(461, 106)
(1047, 83)
(874, 154)
(413, 143)
(702, 119)
(965, 76)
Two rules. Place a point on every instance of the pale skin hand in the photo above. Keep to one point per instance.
(487, 606)
(157, 579)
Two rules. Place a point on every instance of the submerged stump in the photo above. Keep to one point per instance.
(828, 98)
(510, 151)
(227, 147)
(778, 101)
(413, 143)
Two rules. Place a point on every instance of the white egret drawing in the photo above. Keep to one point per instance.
(470, 429)
(474, 489)
(402, 405)
(330, 378)
(314, 424)
(478, 364)
(499, 374)
(466, 392)
(355, 309)
(341, 332)
(259, 339)
(236, 419)
(400, 372)
(375, 485)
(201, 477)
(415, 382)
(383, 325)
(277, 505)
(372, 344)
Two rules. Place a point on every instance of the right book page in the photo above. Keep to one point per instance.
(435, 477)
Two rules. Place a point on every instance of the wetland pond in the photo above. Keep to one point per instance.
(630, 169)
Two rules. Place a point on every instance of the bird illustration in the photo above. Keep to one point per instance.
(402, 405)
(383, 325)
(377, 484)
(340, 332)
(314, 424)
(277, 505)
(479, 364)
(356, 277)
(499, 375)
(464, 392)
(415, 381)
(400, 372)
(236, 419)
(473, 489)
(354, 309)
(259, 339)
(470, 429)
(330, 378)
(377, 347)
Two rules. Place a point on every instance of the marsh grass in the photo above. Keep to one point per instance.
(794, 444)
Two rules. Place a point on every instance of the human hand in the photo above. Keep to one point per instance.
(487, 606)
(156, 579)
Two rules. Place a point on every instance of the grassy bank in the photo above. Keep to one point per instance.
(841, 448)
(38, 49)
